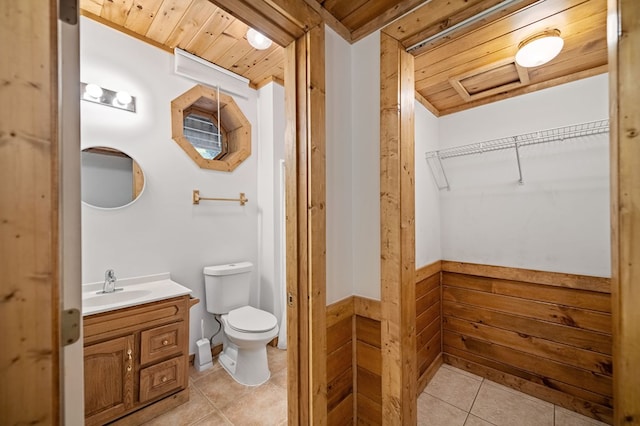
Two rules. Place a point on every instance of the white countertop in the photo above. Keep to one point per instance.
(136, 291)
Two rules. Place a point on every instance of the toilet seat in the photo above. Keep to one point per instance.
(248, 319)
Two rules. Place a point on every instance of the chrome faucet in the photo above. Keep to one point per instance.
(109, 282)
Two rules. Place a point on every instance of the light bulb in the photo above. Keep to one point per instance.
(123, 98)
(93, 90)
(258, 40)
(539, 49)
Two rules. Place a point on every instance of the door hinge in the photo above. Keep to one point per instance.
(68, 11)
(70, 321)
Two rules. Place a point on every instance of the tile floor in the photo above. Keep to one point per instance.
(457, 398)
(216, 399)
(453, 398)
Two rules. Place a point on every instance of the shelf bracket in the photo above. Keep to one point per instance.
(517, 147)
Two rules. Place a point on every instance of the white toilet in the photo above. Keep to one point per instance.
(247, 330)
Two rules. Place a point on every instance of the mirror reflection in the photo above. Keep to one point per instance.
(110, 178)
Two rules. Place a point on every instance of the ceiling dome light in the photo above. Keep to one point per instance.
(539, 49)
(93, 90)
(258, 40)
(123, 98)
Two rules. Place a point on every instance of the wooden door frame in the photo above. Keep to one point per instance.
(306, 228)
(624, 65)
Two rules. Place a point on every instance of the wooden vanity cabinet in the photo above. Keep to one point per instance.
(134, 357)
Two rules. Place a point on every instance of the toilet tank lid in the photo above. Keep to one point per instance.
(229, 269)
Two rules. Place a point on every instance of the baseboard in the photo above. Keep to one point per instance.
(426, 377)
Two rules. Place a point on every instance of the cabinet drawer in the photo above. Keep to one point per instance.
(162, 342)
(162, 378)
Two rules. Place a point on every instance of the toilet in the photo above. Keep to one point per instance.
(247, 330)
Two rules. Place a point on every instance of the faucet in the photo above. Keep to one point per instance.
(109, 282)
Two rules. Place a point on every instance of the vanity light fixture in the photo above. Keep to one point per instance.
(539, 49)
(121, 100)
(257, 40)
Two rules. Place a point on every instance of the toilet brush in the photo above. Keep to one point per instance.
(203, 354)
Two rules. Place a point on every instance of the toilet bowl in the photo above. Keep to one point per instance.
(247, 331)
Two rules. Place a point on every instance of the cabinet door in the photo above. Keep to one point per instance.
(108, 379)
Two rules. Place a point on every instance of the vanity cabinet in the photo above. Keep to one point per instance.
(134, 357)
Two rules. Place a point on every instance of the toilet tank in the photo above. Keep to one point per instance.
(227, 286)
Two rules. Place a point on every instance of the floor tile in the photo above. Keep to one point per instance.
(196, 408)
(506, 407)
(266, 405)
(277, 359)
(566, 417)
(195, 374)
(279, 379)
(220, 388)
(476, 421)
(435, 412)
(215, 419)
(453, 387)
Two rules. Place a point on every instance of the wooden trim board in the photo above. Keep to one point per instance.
(624, 91)
(581, 282)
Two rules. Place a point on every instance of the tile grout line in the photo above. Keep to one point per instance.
(474, 400)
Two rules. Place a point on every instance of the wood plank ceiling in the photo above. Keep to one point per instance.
(456, 68)
(474, 65)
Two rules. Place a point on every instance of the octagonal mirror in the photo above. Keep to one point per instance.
(210, 128)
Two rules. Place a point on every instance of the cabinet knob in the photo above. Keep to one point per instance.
(165, 342)
(164, 379)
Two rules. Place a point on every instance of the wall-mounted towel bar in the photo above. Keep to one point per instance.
(197, 198)
(434, 158)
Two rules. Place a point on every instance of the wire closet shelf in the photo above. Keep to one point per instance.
(434, 158)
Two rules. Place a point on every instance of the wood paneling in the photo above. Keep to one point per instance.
(201, 28)
(362, 17)
(444, 56)
(340, 368)
(368, 362)
(397, 229)
(624, 18)
(29, 237)
(428, 322)
(551, 340)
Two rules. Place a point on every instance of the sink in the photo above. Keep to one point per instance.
(115, 298)
(135, 291)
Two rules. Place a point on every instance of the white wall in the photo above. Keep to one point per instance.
(427, 197)
(338, 167)
(271, 127)
(559, 219)
(365, 116)
(161, 231)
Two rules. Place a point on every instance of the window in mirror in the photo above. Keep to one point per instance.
(210, 127)
(110, 178)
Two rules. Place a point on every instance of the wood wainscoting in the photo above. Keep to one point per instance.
(428, 322)
(545, 334)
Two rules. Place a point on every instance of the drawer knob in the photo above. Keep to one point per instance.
(165, 342)
(164, 379)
